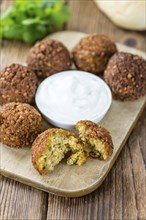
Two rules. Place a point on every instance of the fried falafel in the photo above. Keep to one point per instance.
(17, 84)
(126, 76)
(19, 124)
(48, 57)
(93, 52)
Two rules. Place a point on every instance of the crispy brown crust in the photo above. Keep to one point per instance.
(38, 146)
(93, 130)
(48, 57)
(126, 76)
(19, 124)
(17, 84)
(93, 52)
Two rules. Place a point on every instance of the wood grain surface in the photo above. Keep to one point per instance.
(121, 196)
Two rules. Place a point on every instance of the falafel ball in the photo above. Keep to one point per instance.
(93, 52)
(48, 57)
(51, 146)
(126, 76)
(96, 139)
(17, 84)
(20, 123)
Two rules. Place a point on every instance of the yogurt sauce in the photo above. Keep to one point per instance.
(72, 96)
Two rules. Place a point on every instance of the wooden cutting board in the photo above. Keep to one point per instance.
(72, 181)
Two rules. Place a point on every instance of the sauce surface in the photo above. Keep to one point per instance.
(72, 96)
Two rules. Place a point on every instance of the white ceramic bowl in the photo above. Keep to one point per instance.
(55, 92)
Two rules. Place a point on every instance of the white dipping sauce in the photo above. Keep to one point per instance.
(71, 96)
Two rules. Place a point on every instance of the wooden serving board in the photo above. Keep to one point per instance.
(65, 180)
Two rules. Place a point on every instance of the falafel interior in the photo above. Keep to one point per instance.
(96, 139)
(52, 146)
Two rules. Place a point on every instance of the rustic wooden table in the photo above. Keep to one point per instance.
(121, 196)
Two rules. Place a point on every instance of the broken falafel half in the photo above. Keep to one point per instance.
(51, 146)
(97, 140)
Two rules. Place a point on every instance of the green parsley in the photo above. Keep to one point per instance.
(32, 20)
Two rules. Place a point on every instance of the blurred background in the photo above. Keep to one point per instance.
(87, 17)
(123, 21)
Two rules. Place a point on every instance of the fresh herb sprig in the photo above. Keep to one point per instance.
(31, 20)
